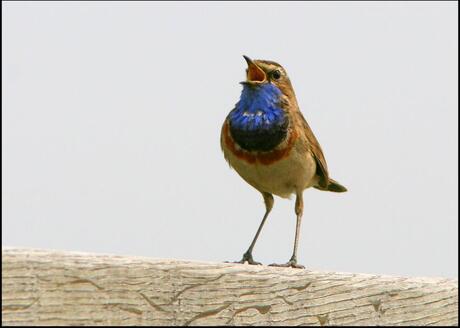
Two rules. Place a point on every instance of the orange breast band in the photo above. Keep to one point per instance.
(265, 158)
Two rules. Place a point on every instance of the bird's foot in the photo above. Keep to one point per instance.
(292, 263)
(247, 257)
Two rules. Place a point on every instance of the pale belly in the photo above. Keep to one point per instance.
(289, 175)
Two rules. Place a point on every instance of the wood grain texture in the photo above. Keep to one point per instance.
(42, 287)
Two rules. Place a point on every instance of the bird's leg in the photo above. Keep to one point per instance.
(298, 211)
(247, 257)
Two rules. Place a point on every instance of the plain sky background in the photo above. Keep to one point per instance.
(112, 115)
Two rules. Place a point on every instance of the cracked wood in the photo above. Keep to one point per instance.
(41, 287)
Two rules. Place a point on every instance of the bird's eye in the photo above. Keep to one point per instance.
(276, 74)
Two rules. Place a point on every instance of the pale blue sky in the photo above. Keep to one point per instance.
(112, 115)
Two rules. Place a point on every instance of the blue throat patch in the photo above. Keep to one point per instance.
(258, 123)
(258, 108)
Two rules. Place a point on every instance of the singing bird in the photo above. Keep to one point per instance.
(266, 139)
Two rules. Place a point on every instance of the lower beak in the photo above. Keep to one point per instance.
(254, 72)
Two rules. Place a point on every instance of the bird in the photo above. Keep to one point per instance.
(267, 141)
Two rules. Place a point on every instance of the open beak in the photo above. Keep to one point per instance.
(254, 73)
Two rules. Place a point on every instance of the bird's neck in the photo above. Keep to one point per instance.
(258, 122)
(258, 108)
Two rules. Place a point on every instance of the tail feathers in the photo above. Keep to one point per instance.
(333, 186)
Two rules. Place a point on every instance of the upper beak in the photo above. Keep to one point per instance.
(254, 72)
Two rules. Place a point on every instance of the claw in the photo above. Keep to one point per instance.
(252, 262)
(290, 264)
(247, 257)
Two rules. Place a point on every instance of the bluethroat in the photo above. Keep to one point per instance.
(266, 139)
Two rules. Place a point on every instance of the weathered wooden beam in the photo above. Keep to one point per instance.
(42, 287)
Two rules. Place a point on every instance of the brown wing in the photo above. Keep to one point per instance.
(321, 166)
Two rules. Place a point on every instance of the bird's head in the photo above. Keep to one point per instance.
(260, 72)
